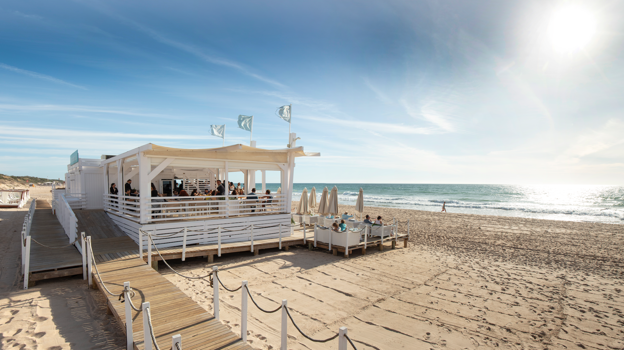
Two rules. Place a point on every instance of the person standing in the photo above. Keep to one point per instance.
(128, 186)
(443, 207)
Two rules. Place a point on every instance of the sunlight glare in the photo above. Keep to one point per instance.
(571, 28)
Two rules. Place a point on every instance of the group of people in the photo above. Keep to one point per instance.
(342, 226)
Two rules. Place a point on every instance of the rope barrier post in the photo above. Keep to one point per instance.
(147, 336)
(284, 326)
(280, 236)
(315, 234)
(141, 244)
(149, 249)
(27, 263)
(215, 289)
(129, 339)
(84, 255)
(342, 339)
(176, 342)
(244, 312)
(219, 242)
(89, 262)
(184, 245)
(252, 240)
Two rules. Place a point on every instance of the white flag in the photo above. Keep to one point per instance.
(284, 113)
(245, 122)
(218, 130)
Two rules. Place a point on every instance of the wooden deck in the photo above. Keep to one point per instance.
(371, 243)
(172, 311)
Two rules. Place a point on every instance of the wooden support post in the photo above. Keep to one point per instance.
(84, 255)
(346, 253)
(405, 242)
(210, 258)
(394, 244)
(309, 245)
(363, 251)
(335, 252)
(284, 335)
(129, 339)
(27, 263)
(184, 245)
(176, 342)
(215, 289)
(286, 247)
(219, 241)
(381, 247)
(155, 264)
(342, 339)
(147, 336)
(256, 252)
(244, 312)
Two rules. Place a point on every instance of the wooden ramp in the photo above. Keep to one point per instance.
(172, 311)
(46, 262)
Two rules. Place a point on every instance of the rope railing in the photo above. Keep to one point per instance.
(307, 336)
(151, 328)
(258, 306)
(96, 269)
(350, 341)
(149, 236)
(60, 247)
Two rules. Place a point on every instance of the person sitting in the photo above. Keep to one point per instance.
(154, 192)
(194, 193)
(335, 227)
(128, 186)
(343, 226)
(113, 189)
(267, 199)
(379, 221)
(206, 192)
(346, 216)
(254, 196)
(183, 193)
(367, 220)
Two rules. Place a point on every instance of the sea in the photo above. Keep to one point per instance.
(581, 203)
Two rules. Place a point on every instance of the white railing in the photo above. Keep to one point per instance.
(197, 207)
(65, 216)
(25, 241)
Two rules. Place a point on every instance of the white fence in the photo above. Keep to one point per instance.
(65, 216)
(162, 209)
(26, 241)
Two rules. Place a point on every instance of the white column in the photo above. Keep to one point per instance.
(263, 181)
(145, 192)
(252, 179)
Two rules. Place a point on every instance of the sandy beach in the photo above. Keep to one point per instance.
(464, 282)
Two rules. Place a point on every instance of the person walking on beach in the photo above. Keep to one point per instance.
(443, 207)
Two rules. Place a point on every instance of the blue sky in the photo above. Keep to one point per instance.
(391, 92)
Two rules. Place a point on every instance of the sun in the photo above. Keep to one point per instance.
(571, 29)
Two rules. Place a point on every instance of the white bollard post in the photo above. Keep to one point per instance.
(342, 340)
(184, 246)
(176, 342)
(219, 242)
(215, 293)
(27, 263)
(149, 250)
(84, 255)
(140, 244)
(284, 326)
(252, 240)
(89, 262)
(147, 336)
(280, 236)
(244, 312)
(129, 338)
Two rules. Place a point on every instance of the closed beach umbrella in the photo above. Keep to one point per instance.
(279, 190)
(323, 205)
(302, 208)
(359, 204)
(333, 201)
(312, 201)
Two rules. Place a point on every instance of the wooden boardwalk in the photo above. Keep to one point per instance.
(45, 262)
(172, 311)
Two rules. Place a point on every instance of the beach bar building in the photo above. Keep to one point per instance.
(176, 221)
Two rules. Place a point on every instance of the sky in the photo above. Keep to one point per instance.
(387, 91)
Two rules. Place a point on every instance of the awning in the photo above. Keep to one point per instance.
(233, 152)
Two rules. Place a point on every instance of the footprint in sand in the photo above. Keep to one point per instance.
(9, 321)
(13, 312)
(17, 332)
(39, 334)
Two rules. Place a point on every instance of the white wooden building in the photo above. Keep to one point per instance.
(196, 219)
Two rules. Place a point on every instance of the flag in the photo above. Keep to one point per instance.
(218, 130)
(284, 113)
(245, 122)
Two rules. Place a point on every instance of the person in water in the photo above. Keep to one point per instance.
(444, 207)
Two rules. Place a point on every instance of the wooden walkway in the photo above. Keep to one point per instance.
(172, 311)
(45, 262)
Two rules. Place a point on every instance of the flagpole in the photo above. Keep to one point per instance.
(289, 122)
(251, 132)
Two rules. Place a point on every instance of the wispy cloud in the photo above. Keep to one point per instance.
(69, 108)
(380, 94)
(39, 76)
(430, 114)
(27, 15)
(193, 50)
(372, 127)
